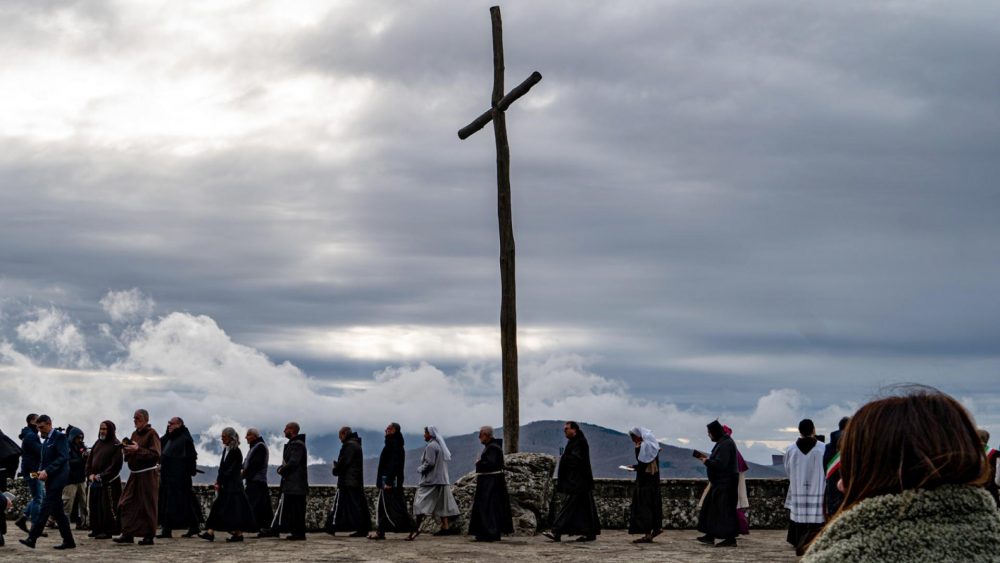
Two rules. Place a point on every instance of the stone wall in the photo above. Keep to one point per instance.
(613, 496)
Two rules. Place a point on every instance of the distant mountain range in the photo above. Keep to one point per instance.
(608, 450)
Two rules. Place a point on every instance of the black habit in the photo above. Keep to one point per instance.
(291, 516)
(578, 514)
(179, 508)
(646, 514)
(718, 511)
(255, 474)
(350, 507)
(490, 516)
(231, 509)
(393, 513)
(106, 462)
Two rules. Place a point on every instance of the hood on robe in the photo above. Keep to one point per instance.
(72, 433)
(437, 437)
(805, 445)
(28, 431)
(112, 434)
(650, 446)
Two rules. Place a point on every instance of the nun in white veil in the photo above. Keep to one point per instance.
(646, 514)
(433, 496)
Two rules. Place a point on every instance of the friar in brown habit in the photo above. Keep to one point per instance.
(138, 504)
(103, 468)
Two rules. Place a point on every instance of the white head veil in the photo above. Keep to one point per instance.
(437, 437)
(650, 447)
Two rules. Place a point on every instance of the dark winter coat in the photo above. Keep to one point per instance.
(31, 450)
(391, 462)
(77, 457)
(350, 465)
(293, 468)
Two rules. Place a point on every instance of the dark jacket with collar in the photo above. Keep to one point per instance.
(31, 450)
(55, 460)
(350, 465)
(294, 467)
(77, 457)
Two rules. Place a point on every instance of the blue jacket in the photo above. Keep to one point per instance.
(31, 450)
(55, 460)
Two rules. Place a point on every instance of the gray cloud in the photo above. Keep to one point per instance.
(746, 197)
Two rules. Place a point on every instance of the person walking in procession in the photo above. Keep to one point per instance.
(433, 497)
(255, 477)
(53, 471)
(349, 512)
(138, 504)
(490, 516)
(179, 509)
(392, 514)
(717, 519)
(646, 513)
(291, 514)
(577, 515)
(806, 487)
(31, 457)
(104, 468)
(230, 509)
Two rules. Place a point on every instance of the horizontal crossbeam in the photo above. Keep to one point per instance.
(504, 103)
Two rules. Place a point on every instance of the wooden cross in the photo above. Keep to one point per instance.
(508, 301)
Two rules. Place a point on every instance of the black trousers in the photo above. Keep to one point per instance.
(51, 506)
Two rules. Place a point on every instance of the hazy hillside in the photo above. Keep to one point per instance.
(608, 449)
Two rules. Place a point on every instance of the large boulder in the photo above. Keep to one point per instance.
(529, 482)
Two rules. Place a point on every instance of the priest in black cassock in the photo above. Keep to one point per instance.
(350, 506)
(575, 481)
(255, 476)
(179, 508)
(717, 519)
(490, 516)
(393, 513)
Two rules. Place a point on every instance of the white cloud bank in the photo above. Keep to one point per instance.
(184, 364)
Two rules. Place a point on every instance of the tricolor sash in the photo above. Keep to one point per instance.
(833, 466)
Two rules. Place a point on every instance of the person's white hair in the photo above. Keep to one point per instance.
(234, 437)
(488, 430)
(253, 432)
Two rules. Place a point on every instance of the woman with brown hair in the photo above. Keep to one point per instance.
(912, 472)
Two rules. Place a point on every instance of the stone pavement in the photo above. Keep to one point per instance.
(672, 546)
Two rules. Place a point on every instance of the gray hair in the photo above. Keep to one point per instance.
(488, 430)
(253, 432)
(143, 413)
(234, 438)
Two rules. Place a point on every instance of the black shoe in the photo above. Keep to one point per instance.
(191, 533)
(165, 535)
(146, 541)
(234, 539)
(706, 539)
(358, 535)
(22, 523)
(28, 542)
(65, 545)
(586, 538)
(731, 542)
(102, 536)
(207, 536)
(124, 539)
(296, 538)
(553, 537)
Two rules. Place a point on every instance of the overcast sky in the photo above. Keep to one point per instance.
(245, 212)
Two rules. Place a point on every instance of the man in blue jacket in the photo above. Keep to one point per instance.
(31, 451)
(54, 472)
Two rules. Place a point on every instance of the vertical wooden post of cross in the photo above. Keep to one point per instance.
(508, 295)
